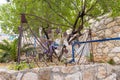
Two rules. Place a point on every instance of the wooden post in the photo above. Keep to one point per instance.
(92, 54)
(23, 20)
(19, 43)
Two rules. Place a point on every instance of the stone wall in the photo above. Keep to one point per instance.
(106, 28)
(77, 72)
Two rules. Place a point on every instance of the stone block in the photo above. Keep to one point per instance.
(117, 43)
(6, 76)
(118, 20)
(111, 55)
(106, 50)
(44, 74)
(116, 29)
(94, 34)
(2, 78)
(102, 73)
(111, 24)
(116, 60)
(96, 24)
(108, 33)
(115, 50)
(109, 45)
(56, 69)
(108, 20)
(114, 35)
(30, 76)
(102, 22)
(75, 76)
(105, 58)
(88, 74)
(118, 55)
(111, 77)
(70, 69)
(56, 76)
(101, 45)
(19, 76)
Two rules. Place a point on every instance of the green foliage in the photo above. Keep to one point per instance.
(21, 66)
(9, 50)
(55, 13)
(111, 61)
(90, 57)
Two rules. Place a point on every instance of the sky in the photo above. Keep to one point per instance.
(2, 1)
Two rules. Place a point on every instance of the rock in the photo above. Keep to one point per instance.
(114, 35)
(45, 74)
(105, 58)
(3, 69)
(92, 21)
(115, 50)
(103, 16)
(101, 72)
(116, 29)
(111, 77)
(119, 35)
(94, 34)
(56, 69)
(96, 24)
(109, 45)
(108, 20)
(69, 69)
(30, 76)
(102, 22)
(75, 76)
(101, 45)
(118, 20)
(117, 43)
(95, 38)
(99, 33)
(101, 26)
(111, 55)
(88, 75)
(106, 50)
(56, 76)
(2, 78)
(108, 33)
(116, 60)
(118, 75)
(118, 54)
(7, 76)
(111, 24)
(98, 58)
(83, 59)
(19, 76)
(35, 70)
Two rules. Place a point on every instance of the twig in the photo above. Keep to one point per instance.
(57, 12)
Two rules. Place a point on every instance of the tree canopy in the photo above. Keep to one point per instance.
(54, 13)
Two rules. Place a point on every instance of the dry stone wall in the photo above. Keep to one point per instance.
(106, 28)
(77, 72)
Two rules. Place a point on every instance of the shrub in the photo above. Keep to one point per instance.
(21, 66)
(111, 61)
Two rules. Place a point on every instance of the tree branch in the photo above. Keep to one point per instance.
(75, 6)
(91, 7)
(38, 17)
(58, 13)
